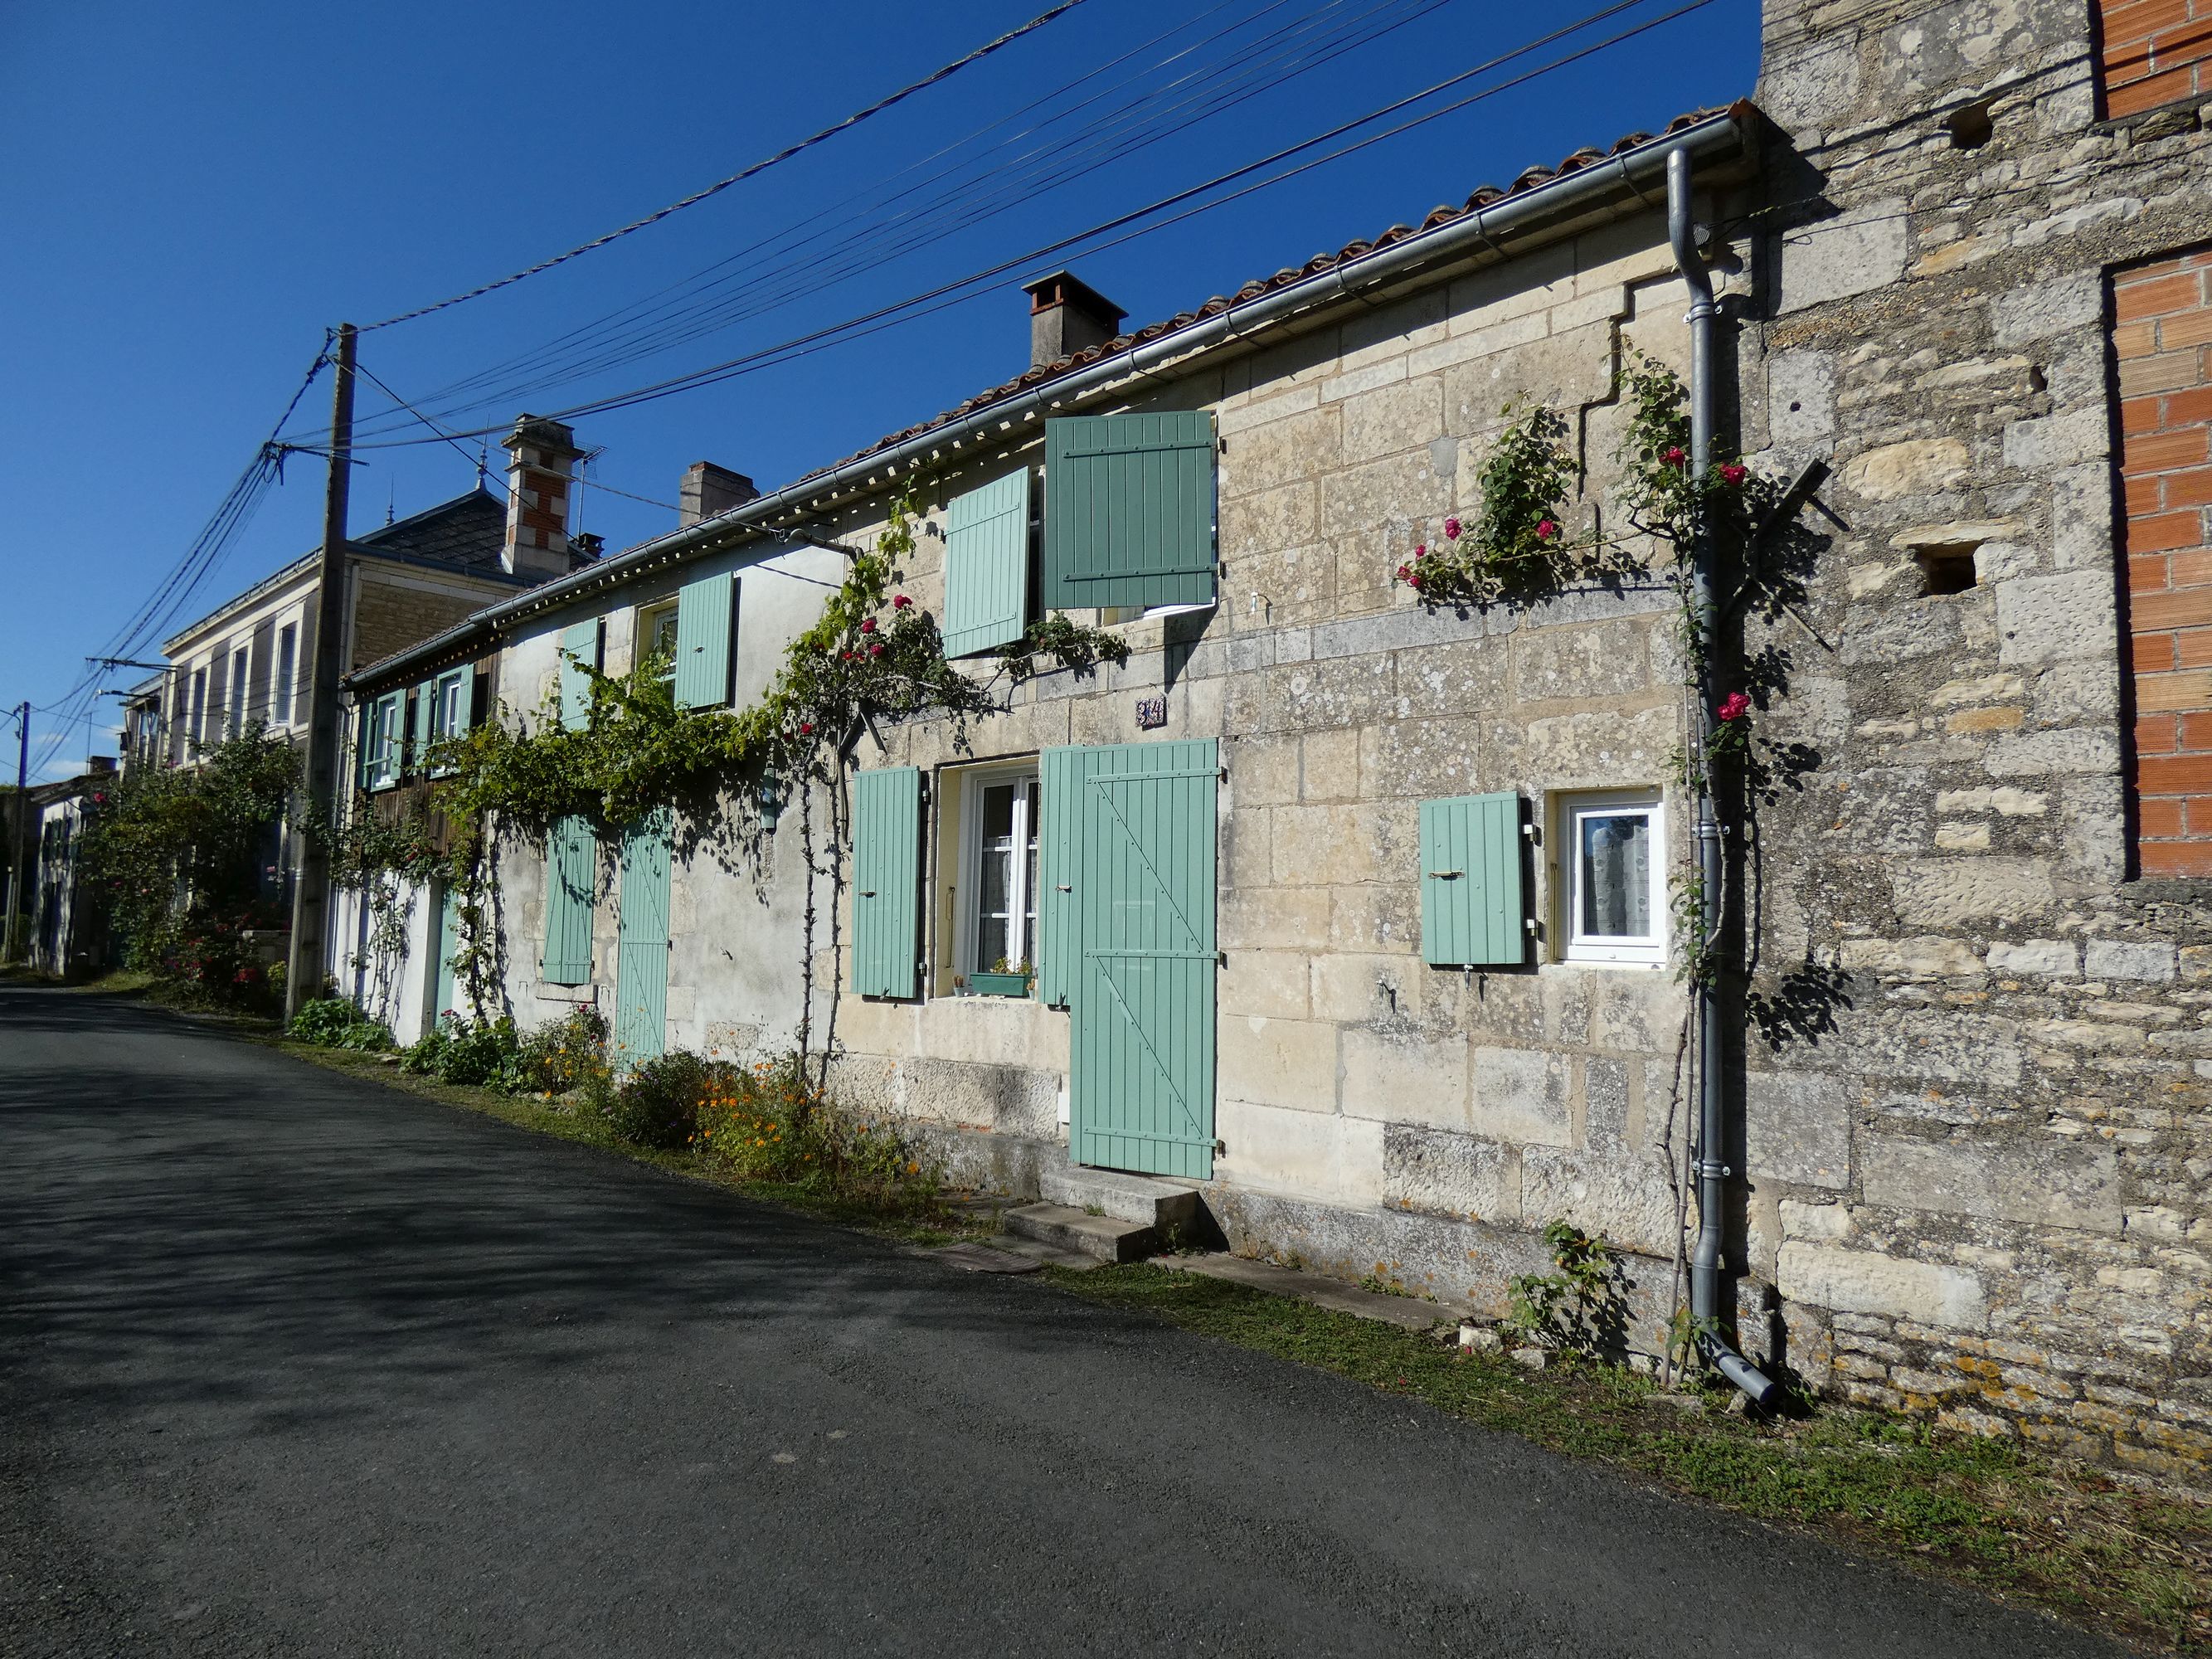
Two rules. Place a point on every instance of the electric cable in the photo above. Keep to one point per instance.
(743, 173)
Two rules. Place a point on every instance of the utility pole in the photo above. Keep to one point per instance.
(22, 824)
(311, 883)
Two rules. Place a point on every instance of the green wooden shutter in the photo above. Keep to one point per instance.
(1060, 773)
(571, 876)
(886, 882)
(1141, 1054)
(705, 613)
(449, 946)
(1473, 912)
(986, 566)
(580, 642)
(640, 1026)
(1129, 510)
(426, 709)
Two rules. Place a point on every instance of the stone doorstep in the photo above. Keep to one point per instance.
(1102, 1237)
(1406, 1312)
(1164, 1206)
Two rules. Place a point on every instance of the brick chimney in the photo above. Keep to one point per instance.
(540, 468)
(709, 489)
(1065, 315)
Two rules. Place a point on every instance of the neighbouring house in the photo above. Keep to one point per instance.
(1352, 913)
(68, 934)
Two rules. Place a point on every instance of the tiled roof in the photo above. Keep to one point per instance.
(467, 532)
(1484, 197)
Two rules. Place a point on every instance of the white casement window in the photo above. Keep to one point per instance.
(383, 728)
(656, 637)
(997, 931)
(447, 719)
(1613, 878)
(288, 662)
(236, 714)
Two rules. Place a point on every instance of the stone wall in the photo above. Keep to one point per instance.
(1978, 1144)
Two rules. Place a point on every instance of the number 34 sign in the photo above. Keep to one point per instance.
(1152, 714)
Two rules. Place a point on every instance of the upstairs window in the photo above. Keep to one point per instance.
(238, 679)
(656, 637)
(288, 663)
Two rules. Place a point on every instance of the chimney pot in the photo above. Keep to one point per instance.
(1067, 315)
(709, 489)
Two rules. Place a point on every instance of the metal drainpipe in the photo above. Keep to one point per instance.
(1707, 1285)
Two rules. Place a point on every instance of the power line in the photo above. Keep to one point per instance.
(722, 185)
(955, 292)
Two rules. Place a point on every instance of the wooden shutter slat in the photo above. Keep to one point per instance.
(705, 635)
(1473, 900)
(986, 566)
(886, 882)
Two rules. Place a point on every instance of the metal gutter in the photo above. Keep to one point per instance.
(1717, 139)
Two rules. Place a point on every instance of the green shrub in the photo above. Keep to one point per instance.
(476, 1054)
(658, 1103)
(334, 1022)
(770, 1123)
(568, 1055)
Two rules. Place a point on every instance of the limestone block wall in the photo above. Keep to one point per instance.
(1379, 1116)
(1980, 1137)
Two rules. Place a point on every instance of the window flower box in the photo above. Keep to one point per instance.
(1000, 985)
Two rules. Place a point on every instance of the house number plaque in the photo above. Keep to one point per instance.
(1152, 714)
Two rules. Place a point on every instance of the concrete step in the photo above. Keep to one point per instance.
(1171, 1209)
(1045, 1256)
(1102, 1237)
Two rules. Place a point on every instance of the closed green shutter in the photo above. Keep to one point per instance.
(1472, 910)
(1141, 1045)
(986, 566)
(580, 644)
(1129, 510)
(425, 725)
(571, 876)
(886, 882)
(641, 1027)
(706, 616)
(1060, 773)
(449, 946)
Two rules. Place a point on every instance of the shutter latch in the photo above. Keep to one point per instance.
(1446, 875)
(869, 892)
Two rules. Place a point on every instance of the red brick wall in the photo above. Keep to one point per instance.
(2162, 339)
(2155, 51)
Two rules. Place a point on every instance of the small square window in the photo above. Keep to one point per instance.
(1612, 887)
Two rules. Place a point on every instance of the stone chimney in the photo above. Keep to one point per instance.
(540, 469)
(709, 489)
(1065, 315)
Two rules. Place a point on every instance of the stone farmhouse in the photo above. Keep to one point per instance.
(1350, 915)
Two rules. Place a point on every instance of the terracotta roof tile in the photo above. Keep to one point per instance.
(1484, 195)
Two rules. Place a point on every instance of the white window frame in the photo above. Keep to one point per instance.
(648, 624)
(283, 693)
(968, 885)
(384, 748)
(1569, 808)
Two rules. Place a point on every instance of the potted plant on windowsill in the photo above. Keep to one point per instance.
(1002, 980)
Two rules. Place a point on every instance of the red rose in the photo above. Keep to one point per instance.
(1413, 580)
(900, 602)
(1734, 474)
(1545, 529)
(1734, 707)
(1451, 530)
(1405, 572)
(1422, 552)
(1673, 458)
(868, 624)
(877, 649)
(807, 728)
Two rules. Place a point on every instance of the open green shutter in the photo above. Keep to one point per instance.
(465, 711)
(364, 743)
(706, 614)
(1473, 912)
(1060, 773)
(986, 566)
(571, 878)
(887, 882)
(578, 644)
(425, 727)
(1129, 510)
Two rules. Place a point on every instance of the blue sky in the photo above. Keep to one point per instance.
(198, 192)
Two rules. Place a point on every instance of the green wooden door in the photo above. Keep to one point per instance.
(449, 944)
(642, 946)
(1141, 1088)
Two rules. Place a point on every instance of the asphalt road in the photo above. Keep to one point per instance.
(291, 1363)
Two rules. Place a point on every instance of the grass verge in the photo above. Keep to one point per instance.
(2135, 1562)
(2132, 1561)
